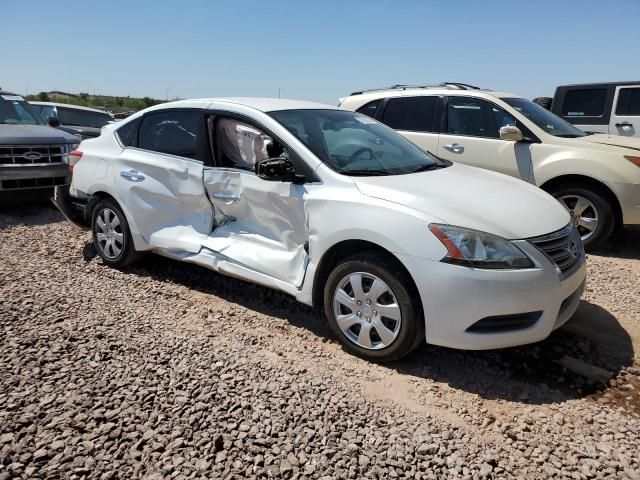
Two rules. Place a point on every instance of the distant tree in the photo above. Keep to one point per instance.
(43, 97)
(148, 102)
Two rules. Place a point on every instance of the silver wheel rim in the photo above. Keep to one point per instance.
(584, 214)
(109, 234)
(367, 311)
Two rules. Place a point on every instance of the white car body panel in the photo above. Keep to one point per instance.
(277, 233)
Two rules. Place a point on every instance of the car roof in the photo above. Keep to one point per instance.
(4, 92)
(68, 105)
(263, 104)
(367, 96)
(598, 84)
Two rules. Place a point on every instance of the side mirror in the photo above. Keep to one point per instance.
(53, 122)
(279, 169)
(511, 133)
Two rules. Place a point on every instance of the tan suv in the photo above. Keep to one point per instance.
(595, 176)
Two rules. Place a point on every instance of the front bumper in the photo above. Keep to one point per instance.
(19, 177)
(454, 298)
(628, 195)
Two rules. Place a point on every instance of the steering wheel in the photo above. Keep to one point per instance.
(359, 152)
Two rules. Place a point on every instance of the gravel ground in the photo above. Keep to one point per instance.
(167, 370)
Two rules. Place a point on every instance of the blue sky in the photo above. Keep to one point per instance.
(317, 50)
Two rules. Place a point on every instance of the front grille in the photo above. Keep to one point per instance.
(32, 154)
(24, 183)
(563, 248)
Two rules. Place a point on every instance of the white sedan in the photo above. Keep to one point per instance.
(338, 210)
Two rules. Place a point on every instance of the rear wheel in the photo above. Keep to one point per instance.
(590, 211)
(111, 234)
(370, 308)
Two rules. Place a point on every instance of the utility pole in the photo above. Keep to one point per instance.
(279, 90)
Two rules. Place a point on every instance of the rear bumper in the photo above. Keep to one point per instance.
(73, 209)
(19, 177)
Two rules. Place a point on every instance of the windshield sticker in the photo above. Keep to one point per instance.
(15, 98)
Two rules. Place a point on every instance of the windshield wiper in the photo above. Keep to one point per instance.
(431, 166)
(364, 172)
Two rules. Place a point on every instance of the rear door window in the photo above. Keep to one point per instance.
(174, 133)
(588, 102)
(628, 102)
(414, 114)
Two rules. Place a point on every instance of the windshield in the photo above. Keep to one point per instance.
(543, 118)
(354, 144)
(15, 111)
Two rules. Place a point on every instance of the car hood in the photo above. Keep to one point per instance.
(78, 130)
(34, 135)
(472, 198)
(612, 140)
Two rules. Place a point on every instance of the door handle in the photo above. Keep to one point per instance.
(132, 175)
(624, 124)
(226, 197)
(454, 147)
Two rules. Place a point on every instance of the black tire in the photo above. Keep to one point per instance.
(411, 330)
(544, 102)
(127, 254)
(603, 211)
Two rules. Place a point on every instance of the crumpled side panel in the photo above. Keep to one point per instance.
(261, 225)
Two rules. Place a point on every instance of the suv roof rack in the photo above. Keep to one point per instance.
(452, 85)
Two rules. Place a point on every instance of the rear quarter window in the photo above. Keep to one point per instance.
(128, 133)
(588, 102)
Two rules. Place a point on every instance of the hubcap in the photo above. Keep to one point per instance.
(109, 233)
(367, 311)
(584, 215)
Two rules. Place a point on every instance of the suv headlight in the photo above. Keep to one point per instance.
(472, 248)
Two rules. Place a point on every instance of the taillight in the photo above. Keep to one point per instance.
(74, 157)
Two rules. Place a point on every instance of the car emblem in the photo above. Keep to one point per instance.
(573, 248)
(32, 156)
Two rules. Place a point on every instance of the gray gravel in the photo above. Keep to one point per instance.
(166, 370)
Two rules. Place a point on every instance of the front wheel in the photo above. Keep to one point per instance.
(590, 213)
(369, 304)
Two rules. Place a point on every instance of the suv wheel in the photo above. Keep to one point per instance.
(370, 309)
(590, 212)
(111, 235)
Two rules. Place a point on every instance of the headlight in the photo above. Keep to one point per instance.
(478, 249)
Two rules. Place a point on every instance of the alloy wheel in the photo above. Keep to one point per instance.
(584, 214)
(366, 310)
(109, 233)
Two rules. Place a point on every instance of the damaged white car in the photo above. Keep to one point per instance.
(339, 211)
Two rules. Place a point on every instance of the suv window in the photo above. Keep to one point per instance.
(371, 108)
(82, 118)
(476, 117)
(46, 111)
(628, 101)
(416, 114)
(175, 133)
(588, 102)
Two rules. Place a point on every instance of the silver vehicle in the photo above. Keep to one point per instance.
(32, 154)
